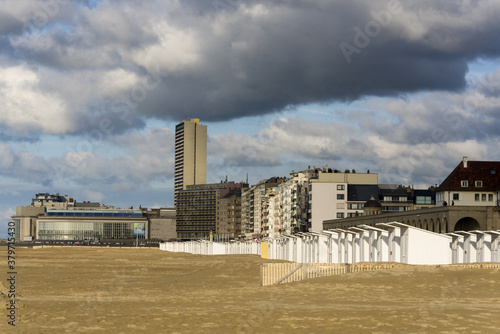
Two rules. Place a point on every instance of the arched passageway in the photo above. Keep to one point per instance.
(467, 224)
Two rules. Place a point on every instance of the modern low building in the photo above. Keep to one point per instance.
(162, 224)
(60, 218)
(92, 225)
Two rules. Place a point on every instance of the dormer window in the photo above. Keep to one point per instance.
(493, 171)
(479, 184)
(465, 183)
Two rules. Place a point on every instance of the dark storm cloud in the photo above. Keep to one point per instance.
(268, 56)
(226, 59)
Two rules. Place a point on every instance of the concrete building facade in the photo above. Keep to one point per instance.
(190, 154)
(329, 195)
(162, 224)
(196, 210)
(254, 207)
(288, 206)
(228, 213)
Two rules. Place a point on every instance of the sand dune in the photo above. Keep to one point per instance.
(112, 290)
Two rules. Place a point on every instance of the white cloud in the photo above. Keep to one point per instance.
(154, 139)
(27, 108)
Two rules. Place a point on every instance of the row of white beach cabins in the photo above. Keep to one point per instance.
(387, 242)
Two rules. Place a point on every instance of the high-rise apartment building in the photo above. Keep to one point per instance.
(228, 224)
(254, 206)
(196, 209)
(190, 154)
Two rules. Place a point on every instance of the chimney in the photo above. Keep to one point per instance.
(465, 162)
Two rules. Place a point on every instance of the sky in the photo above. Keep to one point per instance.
(90, 92)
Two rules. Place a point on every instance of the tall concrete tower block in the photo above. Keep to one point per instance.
(190, 154)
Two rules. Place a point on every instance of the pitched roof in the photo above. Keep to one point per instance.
(486, 171)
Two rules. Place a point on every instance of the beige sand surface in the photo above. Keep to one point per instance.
(112, 290)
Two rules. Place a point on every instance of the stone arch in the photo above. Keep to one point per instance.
(439, 227)
(419, 223)
(413, 223)
(467, 224)
(426, 226)
(445, 225)
(431, 225)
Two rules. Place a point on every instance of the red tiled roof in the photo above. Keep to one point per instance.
(486, 171)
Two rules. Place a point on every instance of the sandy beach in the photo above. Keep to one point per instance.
(121, 290)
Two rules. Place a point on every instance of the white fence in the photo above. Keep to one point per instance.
(277, 273)
(213, 248)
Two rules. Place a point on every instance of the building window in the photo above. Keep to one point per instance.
(490, 197)
(340, 215)
(340, 187)
(340, 205)
(456, 197)
(465, 183)
(424, 200)
(476, 197)
(479, 184)
(395, 208)
(340, 196)
(483, 197)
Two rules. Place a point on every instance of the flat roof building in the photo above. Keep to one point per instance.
(196, 209)
(91, 225)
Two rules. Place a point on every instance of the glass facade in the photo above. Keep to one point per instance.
(64, 230)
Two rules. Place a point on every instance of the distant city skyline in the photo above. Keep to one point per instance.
(91, 91)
